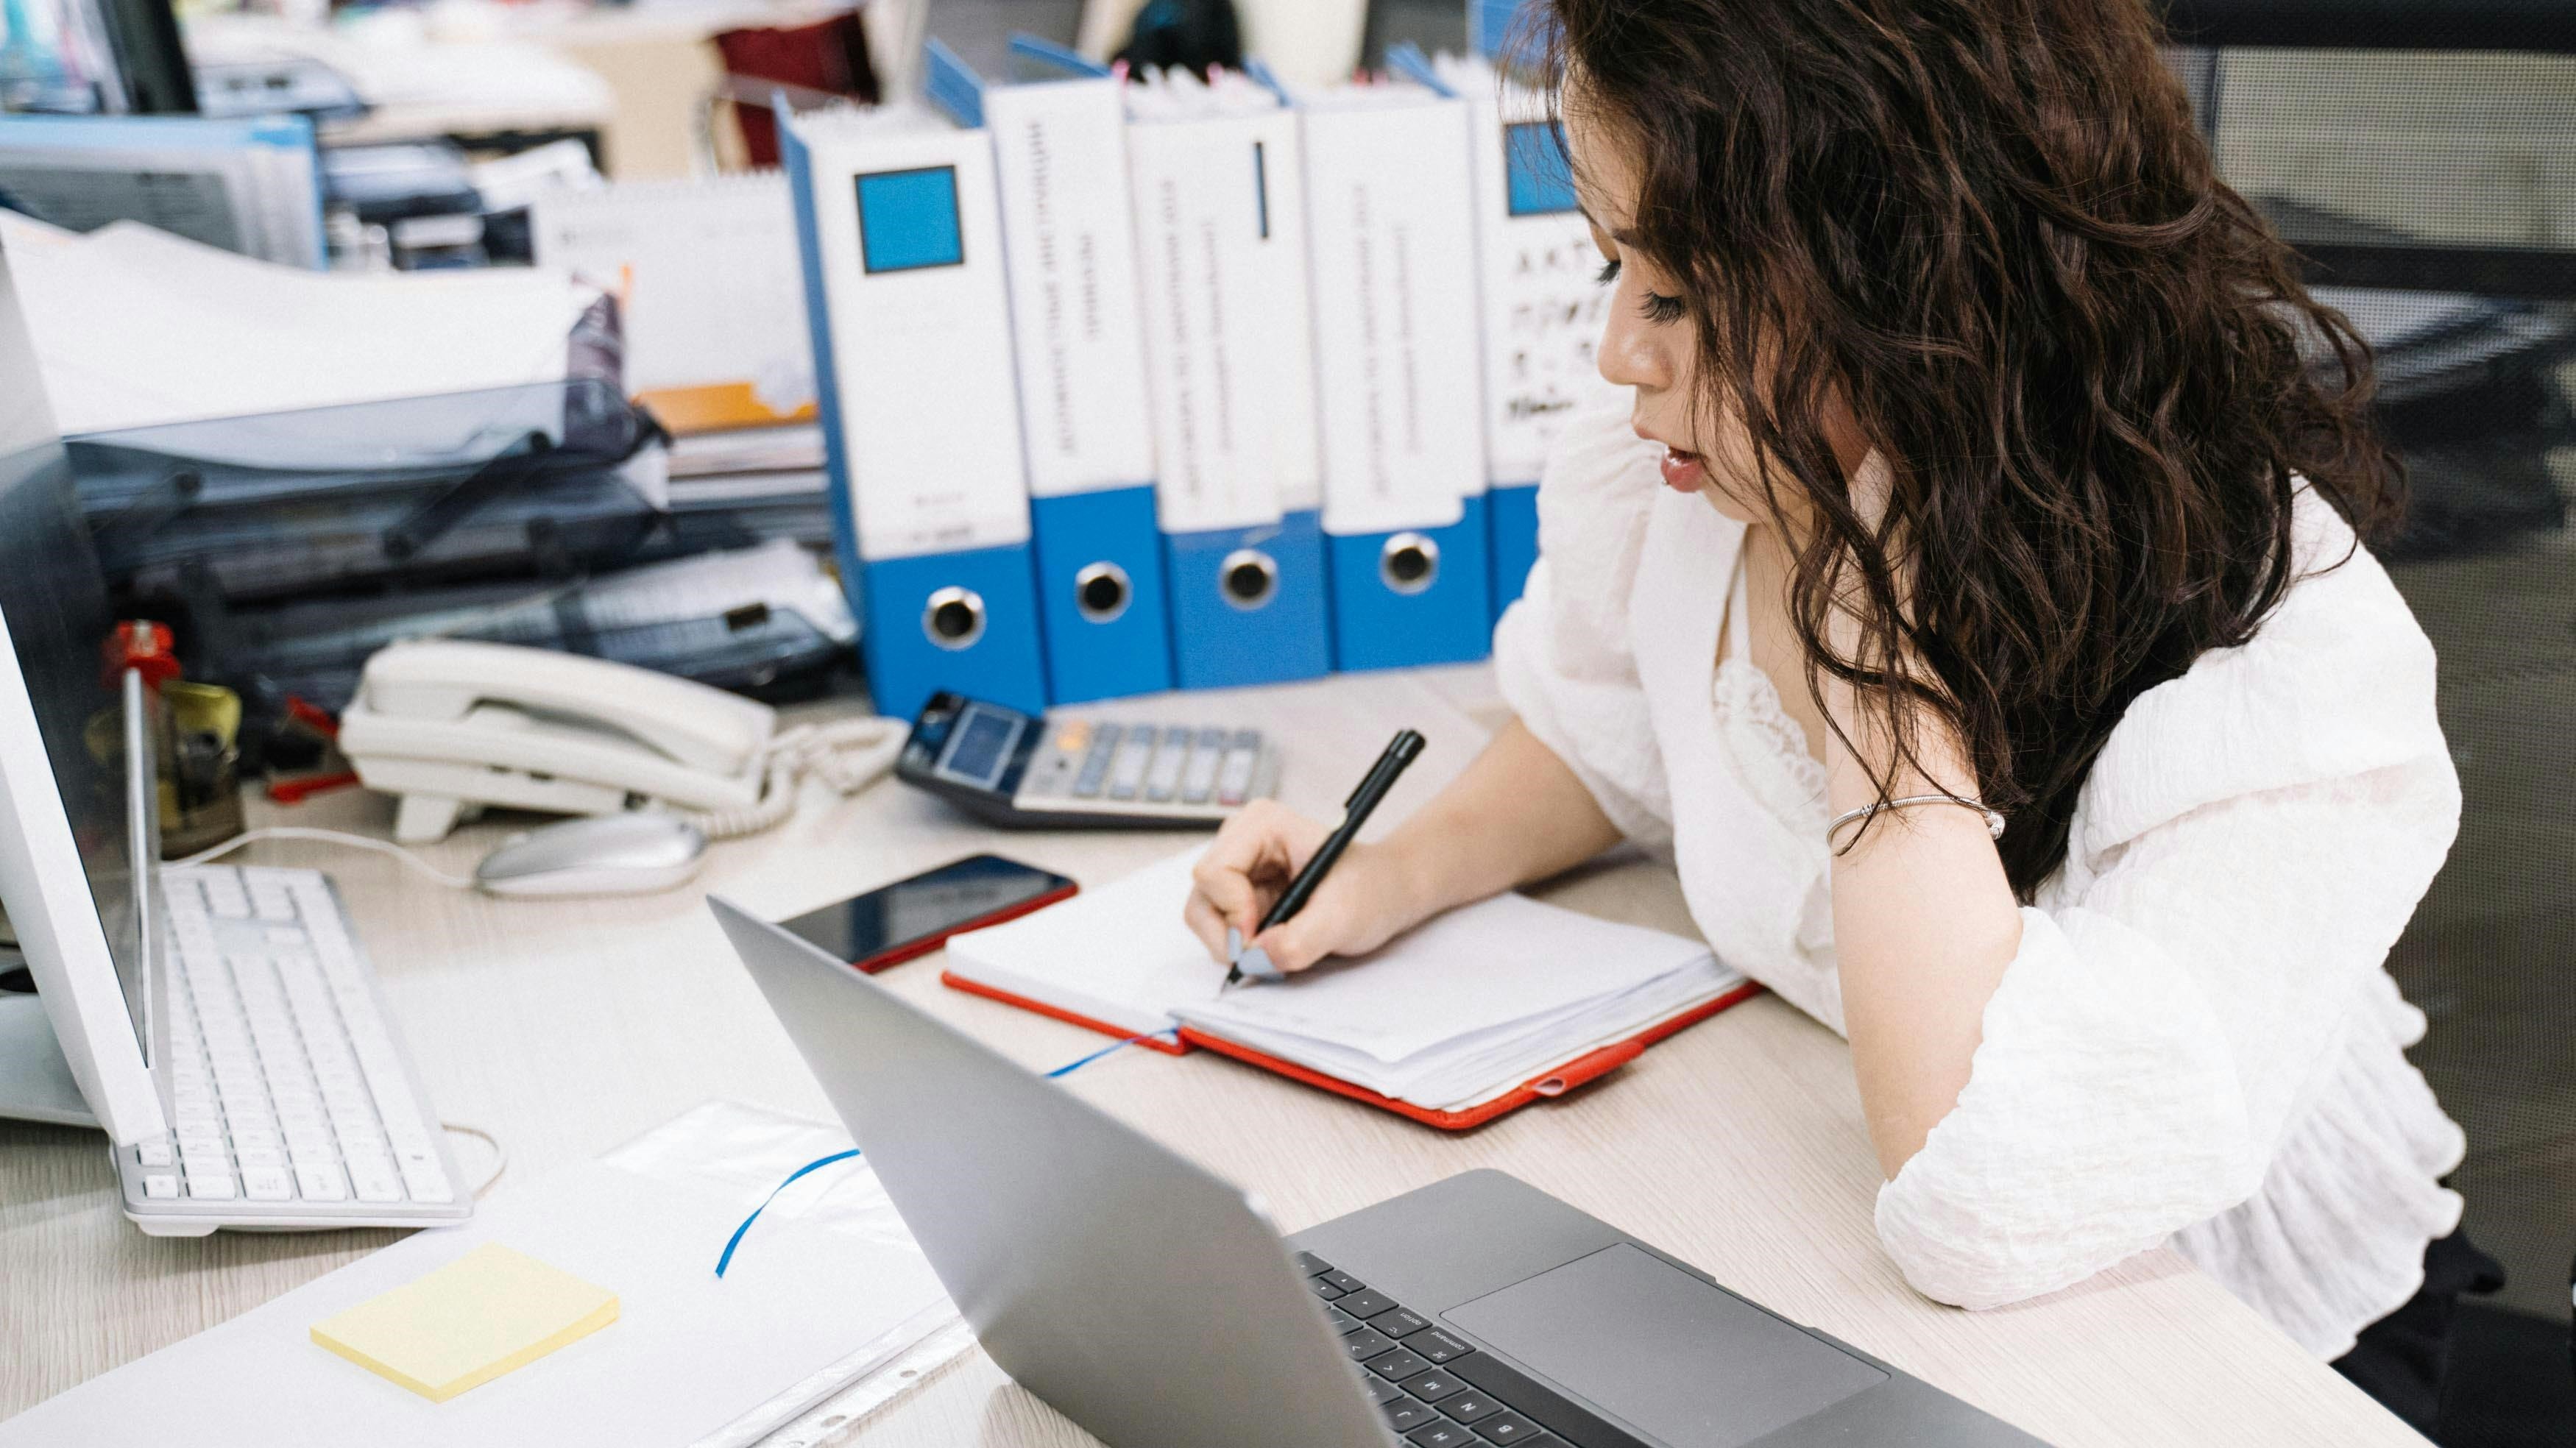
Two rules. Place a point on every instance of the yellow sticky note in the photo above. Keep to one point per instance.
(488, 1312)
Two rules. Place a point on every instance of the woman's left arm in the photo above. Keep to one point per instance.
(2053, 1090)
(1925, 924)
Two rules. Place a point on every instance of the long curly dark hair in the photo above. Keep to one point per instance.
(1990, 228)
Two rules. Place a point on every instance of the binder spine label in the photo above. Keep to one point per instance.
(1220, 256)
(1398, 365)
(928, 421)
(1543, 305)
(1060, 148)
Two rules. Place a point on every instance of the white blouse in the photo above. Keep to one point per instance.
(2197, 1042)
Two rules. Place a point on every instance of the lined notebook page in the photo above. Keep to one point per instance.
(1118, 955)
(1494, 963)
(1472, 1004)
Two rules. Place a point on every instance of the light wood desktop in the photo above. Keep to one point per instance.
(565, 1028)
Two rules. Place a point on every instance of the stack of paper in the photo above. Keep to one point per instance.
(136, 327)
(1460, 1011)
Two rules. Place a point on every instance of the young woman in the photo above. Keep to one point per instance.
(1963, 586)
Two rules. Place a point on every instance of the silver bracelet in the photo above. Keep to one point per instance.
(1994, 821)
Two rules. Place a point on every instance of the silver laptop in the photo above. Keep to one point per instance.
(1153, 1304)
(222, 1025)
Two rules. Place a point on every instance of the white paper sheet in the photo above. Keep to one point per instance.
(1119, 955)
(136, 327)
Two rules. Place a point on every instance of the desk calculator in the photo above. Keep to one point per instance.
(1025, 772)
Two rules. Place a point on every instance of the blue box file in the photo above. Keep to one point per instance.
(1513, 512)
(1101, 594)
(902, 602)
(1445, 619)
(898, 600)
(1225, 637)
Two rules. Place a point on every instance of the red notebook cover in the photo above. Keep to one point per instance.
(1592, 1064)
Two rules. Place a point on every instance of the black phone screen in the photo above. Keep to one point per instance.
(926, 908)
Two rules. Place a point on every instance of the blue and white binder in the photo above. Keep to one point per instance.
(1059, 144)
(898, 229)
(1390, 199)
(1542, 301)
(1221, 258)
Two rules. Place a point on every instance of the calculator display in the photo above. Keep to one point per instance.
(980, 749)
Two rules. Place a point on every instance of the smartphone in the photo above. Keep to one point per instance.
(915, 917)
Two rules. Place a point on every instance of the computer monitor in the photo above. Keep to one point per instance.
(77, 806)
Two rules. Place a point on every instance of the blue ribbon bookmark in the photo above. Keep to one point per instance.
(817, 1164)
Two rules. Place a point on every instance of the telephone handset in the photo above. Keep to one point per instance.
(451, 726)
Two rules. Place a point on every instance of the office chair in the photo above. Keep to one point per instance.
(2414, 151)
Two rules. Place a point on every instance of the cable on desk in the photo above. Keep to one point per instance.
(327, 837)
(500, 1153)
(725, 1258)
(847, 754)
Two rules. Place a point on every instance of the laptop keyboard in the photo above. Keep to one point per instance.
(1435, 1390)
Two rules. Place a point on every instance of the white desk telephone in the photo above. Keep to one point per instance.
(452, 726)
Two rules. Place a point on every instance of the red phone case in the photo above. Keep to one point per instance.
(897, 954)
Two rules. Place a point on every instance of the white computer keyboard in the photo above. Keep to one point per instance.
(291, 1102)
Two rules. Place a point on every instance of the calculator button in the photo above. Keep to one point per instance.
(1207, 753)
(1164, 783)
(1127, 769)
(1234, 777)
(1095, 763)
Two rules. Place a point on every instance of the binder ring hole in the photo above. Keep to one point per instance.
(1248, 578)
(1552, 1086)
(1101, 592)
(1409, 563)
(954, 618)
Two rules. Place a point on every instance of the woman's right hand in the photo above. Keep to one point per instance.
(1362, 904)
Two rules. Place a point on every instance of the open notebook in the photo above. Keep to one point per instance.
(1479, 1011)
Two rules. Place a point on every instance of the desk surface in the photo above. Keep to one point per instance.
(567, 1028)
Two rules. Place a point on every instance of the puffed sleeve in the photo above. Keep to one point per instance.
(1561, 653)
(2253, 838)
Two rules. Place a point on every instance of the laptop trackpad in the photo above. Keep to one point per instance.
(1690, 1364)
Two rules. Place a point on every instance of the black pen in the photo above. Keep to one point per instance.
(1401, 751)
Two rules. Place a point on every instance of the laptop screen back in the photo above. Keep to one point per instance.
(55, 602)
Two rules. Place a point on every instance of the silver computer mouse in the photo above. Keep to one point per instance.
(616, 854)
